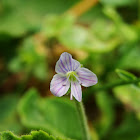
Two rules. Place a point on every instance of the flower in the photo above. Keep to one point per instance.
(70, 74)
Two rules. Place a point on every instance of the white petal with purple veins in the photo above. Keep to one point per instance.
(59, 85)
(75, 65)
(76, 90)
(87, 77)
(64, 64)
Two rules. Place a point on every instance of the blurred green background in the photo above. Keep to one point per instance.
(103, 35)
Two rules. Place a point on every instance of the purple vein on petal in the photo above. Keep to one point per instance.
(77, 90)
(77, 65)
(58, 90)
(63, 65)
(81, 75)
(54, 85)
(87, 79)
(59, 78)
(82, 72)
(74, 66)
(66, 63)
(70, 63)
(61, 68)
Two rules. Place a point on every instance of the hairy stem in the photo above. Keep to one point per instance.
(118, 83)
(112, 85)
(83, 120)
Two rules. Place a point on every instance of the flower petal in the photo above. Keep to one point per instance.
(75, 65)
(59, 85)
(87, 77)
(76, 90)
(64, 64)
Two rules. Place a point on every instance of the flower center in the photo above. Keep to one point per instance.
(72, 75)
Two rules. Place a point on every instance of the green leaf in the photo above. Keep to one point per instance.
(125, 75)
(8, 120)
(40, 71)
(129, 95)
(92, 14)
(127, 130)
(130, 60)
(74, 37)
(7, 135)
(55, 115)
(20, 17)
(29, 60)
(104, 29)
(35, 135)
(118, 2)
(54, 25)
(80, 38)
(127, 32)
(106, 106)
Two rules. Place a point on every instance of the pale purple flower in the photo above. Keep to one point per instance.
(70, 74)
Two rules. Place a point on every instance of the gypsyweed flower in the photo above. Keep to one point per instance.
(70, 74)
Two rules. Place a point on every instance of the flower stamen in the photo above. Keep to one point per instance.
(72, 75)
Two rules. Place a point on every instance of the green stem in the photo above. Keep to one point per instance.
(83, 120)
(138, 9)
(112, 85)
(118, 83)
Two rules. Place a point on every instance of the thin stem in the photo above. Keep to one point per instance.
(138, 9)
(112, 85)
(83, 120)
(118, 83)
